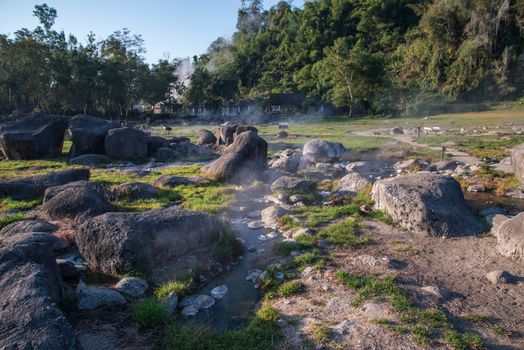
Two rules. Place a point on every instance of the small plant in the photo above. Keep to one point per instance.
(149, 313)
(500, 330)
(344, 234)
(307, 258)
(228, 247)
(289, 288)
(421, 334)
(10, 218)
(181, 287)
(476, 318)
(321, 333)
(464, 341)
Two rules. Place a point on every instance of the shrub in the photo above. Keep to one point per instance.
(149, 313)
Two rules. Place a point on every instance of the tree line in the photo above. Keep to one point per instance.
(43, 69)
(378, 56)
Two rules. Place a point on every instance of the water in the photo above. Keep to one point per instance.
(483, 200)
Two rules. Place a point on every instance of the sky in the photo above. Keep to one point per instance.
(178, 28)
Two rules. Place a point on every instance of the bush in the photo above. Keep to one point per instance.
(149, 313)
(289, 288)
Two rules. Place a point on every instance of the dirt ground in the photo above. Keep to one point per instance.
(458, 265)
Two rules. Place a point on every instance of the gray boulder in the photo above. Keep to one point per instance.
(27, 226)
(320, 151)
(157, 242)
(34, 186)
(30, 287)
(131, 286)
(154, 143)
(206, 137)
(288, 161)
(37, 136)
(244, 160)
(166, 154)
(510, 237)
(272, 215)
(133, 190)
(94, 297)
(426, 203)
(225, 134)
(171, 181)
(517, 162)
(76, 202)
(352, 184)
(293, 185)
(126, 144)
(89, 160)
(88, 134)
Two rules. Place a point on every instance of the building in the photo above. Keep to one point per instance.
(286, 103)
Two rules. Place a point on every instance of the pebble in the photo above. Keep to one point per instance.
(219, 292)
(255, 225)
(499, 277)
(189, 311)
(439, 292)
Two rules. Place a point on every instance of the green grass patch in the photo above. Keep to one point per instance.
(344, 234)
(464, 341)
(289, 288)
(10, 218)
(208, 198)
(181, 287)
(303, 242)
(261, 333)
(11, 204)
(149, 313)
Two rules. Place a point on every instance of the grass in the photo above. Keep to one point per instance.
(290, 288)
(11, 204)
(181, 287)
(261, 333)
(149, 313)
(344, 234)
(10, 218)
(425, 326)
(321, 333)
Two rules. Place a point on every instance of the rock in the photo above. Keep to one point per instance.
(515, 193)
(154, 143)
(219, 292)
(225, 134)
(35, 186)
(476, 188)
(510, 237)
(27, 226)
(92, 160)
(67, 268)
(517, 162)
(91, 298)
(288, 162)
(189, 311)
(126, 144)
(30, 287)
(244, 160)
(492, 216)
(439, 292)
(88, 135)
(166, 154)
(352, 184)
(293, 185)
(158, 241)
(37, 136)
(133, 191)
(320, 151)
(496, 222)
(426, 203)
(77, 202)
(171, 181)
(131, 286)
(206, 138)
(254, 276)
(92, 186)
(271, 216)
(443, 165)
(397, 131)
(255, 225)
(170, 302)
(500, 277)
(199, 302)
(410, 165)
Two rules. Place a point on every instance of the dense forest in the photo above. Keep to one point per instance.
(372, 56)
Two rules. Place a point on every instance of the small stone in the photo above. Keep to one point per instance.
(323, 243)
(90, 298)
(219, 292)
(189, 311)
(255, 225)
(131, 286)
(439, 292)
(252, 249)
(279, 275)
(476, 188)
(499, 277)
(281, 323)
(294, 253)
(170, 302)
(254, 276)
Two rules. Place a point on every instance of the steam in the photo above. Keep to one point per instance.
(184, 70)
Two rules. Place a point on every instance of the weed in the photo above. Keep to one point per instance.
(11, 204)
(464, 341)
(149, 313)
(181, 287)
(10, 218)
(289, 288)
(320, 333)
(500, 330)
(344, 234)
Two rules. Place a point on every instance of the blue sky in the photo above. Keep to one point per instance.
(181, 28)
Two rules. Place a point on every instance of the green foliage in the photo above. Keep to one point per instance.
(228, 246)
(7, 219)
(289, 288)
(464, 341)
(181, 287)
(11, 204)
(260, 334)
(149, 313)
(344, 234)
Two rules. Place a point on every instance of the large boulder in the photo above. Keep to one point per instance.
(426, 203)
(126, 144)
(172, 181)
(225, 134)
(352, 184)
(271, 216)
(517, 162)
(320, 151)
(158, 242)
(26, 226)
(154, 143)
(75, 202)
(34, 186)
(293, 185)
(245, 159)
(206, 137)
(133, 191)
(92, 160)
(510, 237)
(30, 287)
(88, 134)
(288, 161)
(37, 136)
